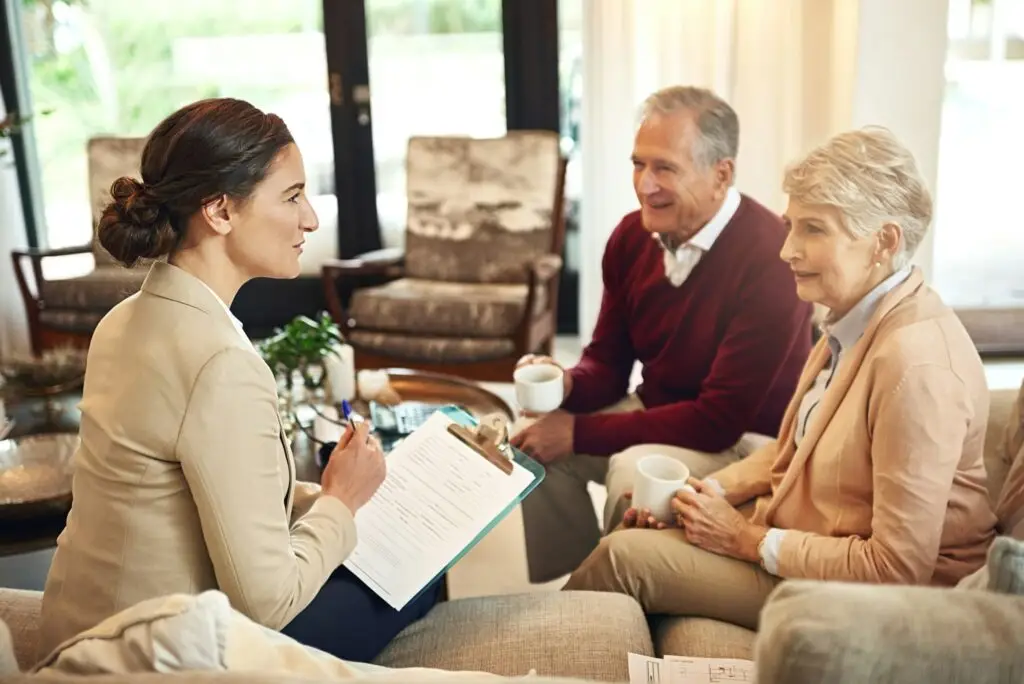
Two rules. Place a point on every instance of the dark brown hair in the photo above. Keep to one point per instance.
(202, 151)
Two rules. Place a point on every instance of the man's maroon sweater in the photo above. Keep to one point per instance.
(721, 354)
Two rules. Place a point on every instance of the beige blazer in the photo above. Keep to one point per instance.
(888, 484)
(183, 481)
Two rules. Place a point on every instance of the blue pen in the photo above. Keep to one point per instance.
(348, 414)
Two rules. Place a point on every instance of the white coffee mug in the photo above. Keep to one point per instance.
(539, 387)
(657, 480)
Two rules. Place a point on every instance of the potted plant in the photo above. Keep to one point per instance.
(297, 354)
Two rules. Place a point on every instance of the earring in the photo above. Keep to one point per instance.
(878, 264)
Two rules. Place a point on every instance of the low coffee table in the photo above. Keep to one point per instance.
(35, 490)
(414, 386)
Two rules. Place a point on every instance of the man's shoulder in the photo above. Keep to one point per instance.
(630, 228)
(755, 232)
(628, 239)
(755, 217)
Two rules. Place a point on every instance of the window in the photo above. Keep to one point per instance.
(979, 228)
(117, 67)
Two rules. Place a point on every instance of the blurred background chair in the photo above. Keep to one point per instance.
(65, 311)
(477, 284)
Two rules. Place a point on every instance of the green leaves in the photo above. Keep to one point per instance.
(302, 346)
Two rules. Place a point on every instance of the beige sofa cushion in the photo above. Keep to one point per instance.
(19, 610)
(8, 662)
(398, 677)
(701, 638)
(998, 459)
(557, 634)
(855, 633)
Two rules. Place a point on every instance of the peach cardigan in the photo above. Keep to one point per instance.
(888, 483)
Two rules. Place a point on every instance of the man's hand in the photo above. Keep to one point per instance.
(542, 360)
(549, 439)
(714, 525)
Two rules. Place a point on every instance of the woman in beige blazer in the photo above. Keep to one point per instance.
(877, 473)
(184, 481)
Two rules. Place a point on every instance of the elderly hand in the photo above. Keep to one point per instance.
(641, 518)
(712, 524)
(544, 360)
(549, 439)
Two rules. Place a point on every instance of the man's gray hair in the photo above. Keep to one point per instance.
(719, 126)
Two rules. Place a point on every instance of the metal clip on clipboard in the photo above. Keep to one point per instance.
(489, 439)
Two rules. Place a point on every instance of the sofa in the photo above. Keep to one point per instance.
(586, 636)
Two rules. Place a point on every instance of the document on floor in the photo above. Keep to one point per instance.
(687, 670)
(439, 498)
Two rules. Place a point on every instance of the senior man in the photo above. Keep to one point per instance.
(693, 290)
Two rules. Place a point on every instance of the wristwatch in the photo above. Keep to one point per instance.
(760, 551)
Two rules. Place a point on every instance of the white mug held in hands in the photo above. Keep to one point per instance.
(539, 387)
(658, 478)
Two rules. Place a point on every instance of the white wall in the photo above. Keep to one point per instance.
(900, 81)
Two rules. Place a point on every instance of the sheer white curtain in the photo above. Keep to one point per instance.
(13, 328)
(796, 71)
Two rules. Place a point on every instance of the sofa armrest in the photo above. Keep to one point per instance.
(845, 633)
(19, 610)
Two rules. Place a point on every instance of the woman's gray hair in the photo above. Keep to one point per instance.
(719, 126)
(872, 179)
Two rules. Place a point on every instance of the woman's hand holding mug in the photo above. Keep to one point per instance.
(356, 468)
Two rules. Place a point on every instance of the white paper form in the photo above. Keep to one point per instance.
(646, 670)
(437, 496)
(687, 670)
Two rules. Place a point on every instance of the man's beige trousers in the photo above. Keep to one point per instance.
(558, 517)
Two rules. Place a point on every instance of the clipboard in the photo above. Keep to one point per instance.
(492, 444)
(499, 452)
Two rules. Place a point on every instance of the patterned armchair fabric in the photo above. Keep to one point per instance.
(76, 304)
(480, 210)
(109, 159)
(442, 308)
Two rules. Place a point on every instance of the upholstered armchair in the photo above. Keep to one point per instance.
(477, 285)
(65, 311)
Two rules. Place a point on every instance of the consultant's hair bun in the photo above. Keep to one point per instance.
(136, 225)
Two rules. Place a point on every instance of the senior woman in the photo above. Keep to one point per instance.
(877, 473)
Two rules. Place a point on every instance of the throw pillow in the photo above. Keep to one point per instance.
(1006, 566)
(202, 633)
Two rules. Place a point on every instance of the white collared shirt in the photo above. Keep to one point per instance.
(234, 319)
(680, 263)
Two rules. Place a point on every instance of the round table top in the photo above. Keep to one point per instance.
(39, 531)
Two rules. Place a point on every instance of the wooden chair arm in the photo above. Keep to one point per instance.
(380, 262)
(545, 269)
(543, 275)
(44, 253)
(35, 256)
